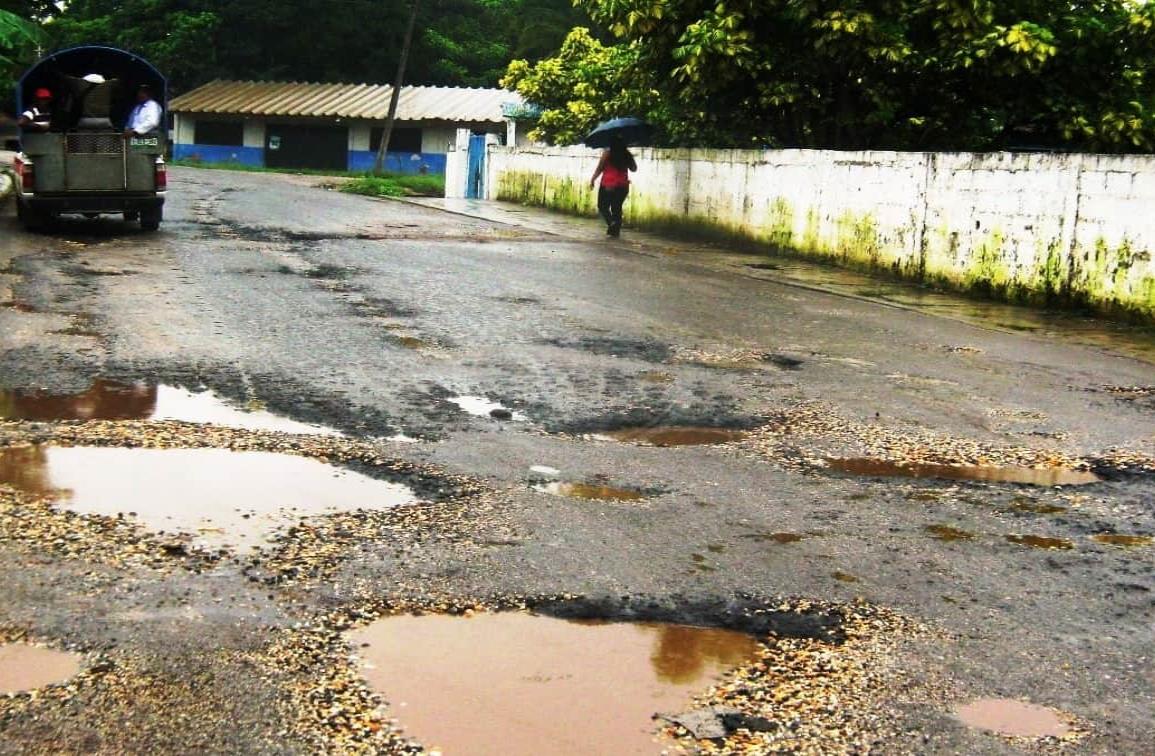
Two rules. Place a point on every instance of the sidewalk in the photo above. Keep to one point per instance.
(748, 261)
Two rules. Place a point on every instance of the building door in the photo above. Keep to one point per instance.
(475, 178)
(315, 146)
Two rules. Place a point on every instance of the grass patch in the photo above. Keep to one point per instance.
(396, 186)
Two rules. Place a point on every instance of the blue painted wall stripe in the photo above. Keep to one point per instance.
(213, 153)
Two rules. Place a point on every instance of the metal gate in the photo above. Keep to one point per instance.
(475, 179)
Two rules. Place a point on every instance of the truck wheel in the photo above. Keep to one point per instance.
(150, 219)
(33, 220)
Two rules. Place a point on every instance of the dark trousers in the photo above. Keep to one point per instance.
(610, 205)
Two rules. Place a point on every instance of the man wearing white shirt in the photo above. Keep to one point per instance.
(145, 117)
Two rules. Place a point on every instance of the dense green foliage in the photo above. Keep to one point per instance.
(19, 38)
(459, 42)
(917, 74)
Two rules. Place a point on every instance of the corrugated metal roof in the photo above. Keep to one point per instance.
(370, 101)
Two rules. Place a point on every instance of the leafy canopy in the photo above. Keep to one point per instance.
(914, 74)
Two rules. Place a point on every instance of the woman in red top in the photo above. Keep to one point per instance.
(614, 167)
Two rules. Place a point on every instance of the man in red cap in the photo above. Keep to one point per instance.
(39, 116)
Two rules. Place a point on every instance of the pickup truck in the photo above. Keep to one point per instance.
(84, 164)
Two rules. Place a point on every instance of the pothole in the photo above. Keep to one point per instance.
(1041, 542)
(774, 537)
(949, 533)
(673, 435)
(1006, 716)
(589, 491)
(219, 497)
(1043, 476)
(113, 400)
(479, 406)
(1126, 541)
(515, 683)
(24, 667)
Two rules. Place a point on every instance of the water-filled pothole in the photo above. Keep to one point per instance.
(113, 400)
(221, 497)
(1126, 541)
(589, 491)
(1048, 476)
(25, 667)
(949, 533)
(1041, 542)
(479, 406)
(673, 435)
(1012, 718)
(515, 683)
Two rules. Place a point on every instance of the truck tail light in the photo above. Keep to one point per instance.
(161, 172)
(27, 173)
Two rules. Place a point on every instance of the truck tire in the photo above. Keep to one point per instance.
(150, 219)
(33, 220)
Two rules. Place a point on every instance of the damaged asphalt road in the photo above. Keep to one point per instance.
(395, 331)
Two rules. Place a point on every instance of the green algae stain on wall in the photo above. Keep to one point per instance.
(780, 223)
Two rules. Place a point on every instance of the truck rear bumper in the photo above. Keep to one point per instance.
(95, 203)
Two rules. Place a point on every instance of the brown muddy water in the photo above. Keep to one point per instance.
(589, 491)
(949, 533)
(222, 498)
(1126, 541)
(112, 400)
(1049, 476)
(1007, 716)
(518, 684)
(673, 435)
(24, 667)
(1041, 542)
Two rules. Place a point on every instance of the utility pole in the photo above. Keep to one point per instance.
(379, 162)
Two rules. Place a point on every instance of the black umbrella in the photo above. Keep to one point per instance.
(632, 131)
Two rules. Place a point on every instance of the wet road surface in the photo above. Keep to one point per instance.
(503, 371)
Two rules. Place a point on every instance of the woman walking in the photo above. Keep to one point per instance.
(614, 167)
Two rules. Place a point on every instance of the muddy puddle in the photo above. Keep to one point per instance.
(1041, 542)
(112, 400)
(589, 491)
(221, 498)
(24, 667)
(1012, 718)
(1049, 476)
(479, 406)
(673, 435)
(949, 533)
(515, 684)
(1126, 541)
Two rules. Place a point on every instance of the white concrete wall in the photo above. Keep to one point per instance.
(457, 165)
(254, 135)
(1037, 227)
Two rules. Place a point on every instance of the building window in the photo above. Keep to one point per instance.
(221, 133)
(401, 140)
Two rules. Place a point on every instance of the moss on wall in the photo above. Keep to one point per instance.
(1102, 279)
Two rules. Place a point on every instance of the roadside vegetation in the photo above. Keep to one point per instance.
(910, 74)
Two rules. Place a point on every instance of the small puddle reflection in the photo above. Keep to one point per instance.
(24, 667)
(513, 683)
(673, 435)
(844, 577)
(1041, 542)
(948, 533)
(1007, 716)
(589, 491)
(112, 400)
(775, 537)
(655, 376)
(479, 406)
(225, 498)
(1048, 476)
(1126, 541)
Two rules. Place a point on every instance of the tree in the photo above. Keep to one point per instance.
(19, 39)
(951, 74)
(395, 95)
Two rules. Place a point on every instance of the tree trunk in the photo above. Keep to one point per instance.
(379, 161)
